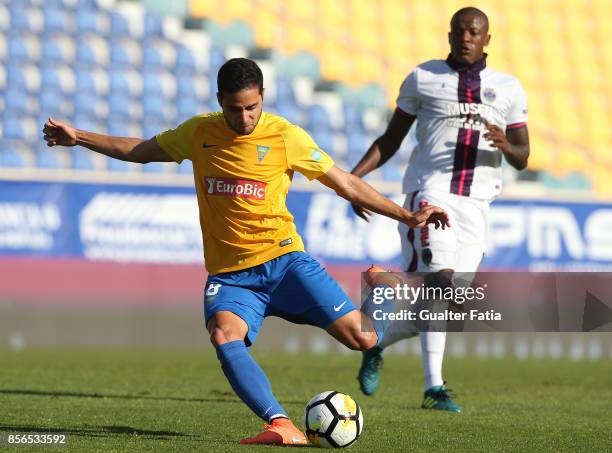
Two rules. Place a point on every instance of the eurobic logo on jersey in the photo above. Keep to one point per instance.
(238, 188)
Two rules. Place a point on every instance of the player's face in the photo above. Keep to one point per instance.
(468, 36)
(242, 109)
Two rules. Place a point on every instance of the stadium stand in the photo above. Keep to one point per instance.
(130, 66)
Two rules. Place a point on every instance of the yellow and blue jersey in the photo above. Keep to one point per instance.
(242, 183)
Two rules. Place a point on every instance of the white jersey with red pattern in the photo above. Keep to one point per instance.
(450, 104)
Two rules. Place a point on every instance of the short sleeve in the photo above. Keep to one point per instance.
(407, 100)
(177, 142)
(304, 155)
(517, 114)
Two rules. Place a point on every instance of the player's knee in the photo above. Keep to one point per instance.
(222, 334)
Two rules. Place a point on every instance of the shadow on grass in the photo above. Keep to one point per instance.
(96, 431)
(217, 396)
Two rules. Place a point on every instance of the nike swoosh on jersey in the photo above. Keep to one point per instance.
(206, 145)
(339, 307)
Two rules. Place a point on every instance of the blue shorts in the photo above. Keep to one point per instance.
(293, 286)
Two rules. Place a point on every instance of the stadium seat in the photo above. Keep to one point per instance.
(58, 19)
(92, 50)
(5, 19)
(58, 47)
(88, 104)
(118, 165)
(25, 18)
(156, 106)
(127, 21)
(20, 127)
(192, 86)
(124, 107)
(153, 25)
(189, 106)
(92, 21)
(19, 101)
(126, 81)
(23, 48)
(158, 54)
(92, 80)
(54, 103)
(318, 118)
(188, 63)
(290, 111)
(126, 52)
(159, 83)
(58, 77)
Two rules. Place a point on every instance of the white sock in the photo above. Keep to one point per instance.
(398, 330)
(432, 347)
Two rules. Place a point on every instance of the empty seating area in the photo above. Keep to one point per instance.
(139, 67)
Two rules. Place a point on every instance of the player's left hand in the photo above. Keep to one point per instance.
(496, 137)
(429, 215)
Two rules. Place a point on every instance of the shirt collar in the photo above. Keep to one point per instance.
(475, 67)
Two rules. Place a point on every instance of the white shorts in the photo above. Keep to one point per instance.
(460, 247)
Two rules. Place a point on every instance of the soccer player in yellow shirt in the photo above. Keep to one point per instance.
(243, 163)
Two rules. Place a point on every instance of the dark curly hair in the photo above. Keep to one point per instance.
(237, 74)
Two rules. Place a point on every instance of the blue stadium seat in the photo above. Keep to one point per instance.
(124, 107)
(93, 80)
(187, 62)
(20, 127)
(92, 21)
(155, 106)
(318, 118)
(159, 83)
(25, 76)
(153, 25)
(152, 127)
(290, 111)
(357, 143)
(58, 78)
(92, 50)
(89, 105)
(23, 47)
(324, 139)
(285, 92)
(126, 52)
(25, 18)
(58, 47)
(125, 81)
(58, 19)
(82, 159)
(124, 128)
(5, 19)
(120, 25)
(188, 107)
(54, 103)
(18, 101)
(158, 54)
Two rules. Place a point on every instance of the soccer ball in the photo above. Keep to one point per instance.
(333, 420)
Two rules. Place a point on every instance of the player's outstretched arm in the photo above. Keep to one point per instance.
(383, 148)
(57, 133)
(359, 192)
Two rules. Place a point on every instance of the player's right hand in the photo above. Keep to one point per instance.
(429, 215)
(361, 212)
(58, 133)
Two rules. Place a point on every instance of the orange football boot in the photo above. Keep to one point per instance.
(282, 431)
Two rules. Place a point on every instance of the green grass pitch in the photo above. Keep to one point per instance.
(178, 401)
